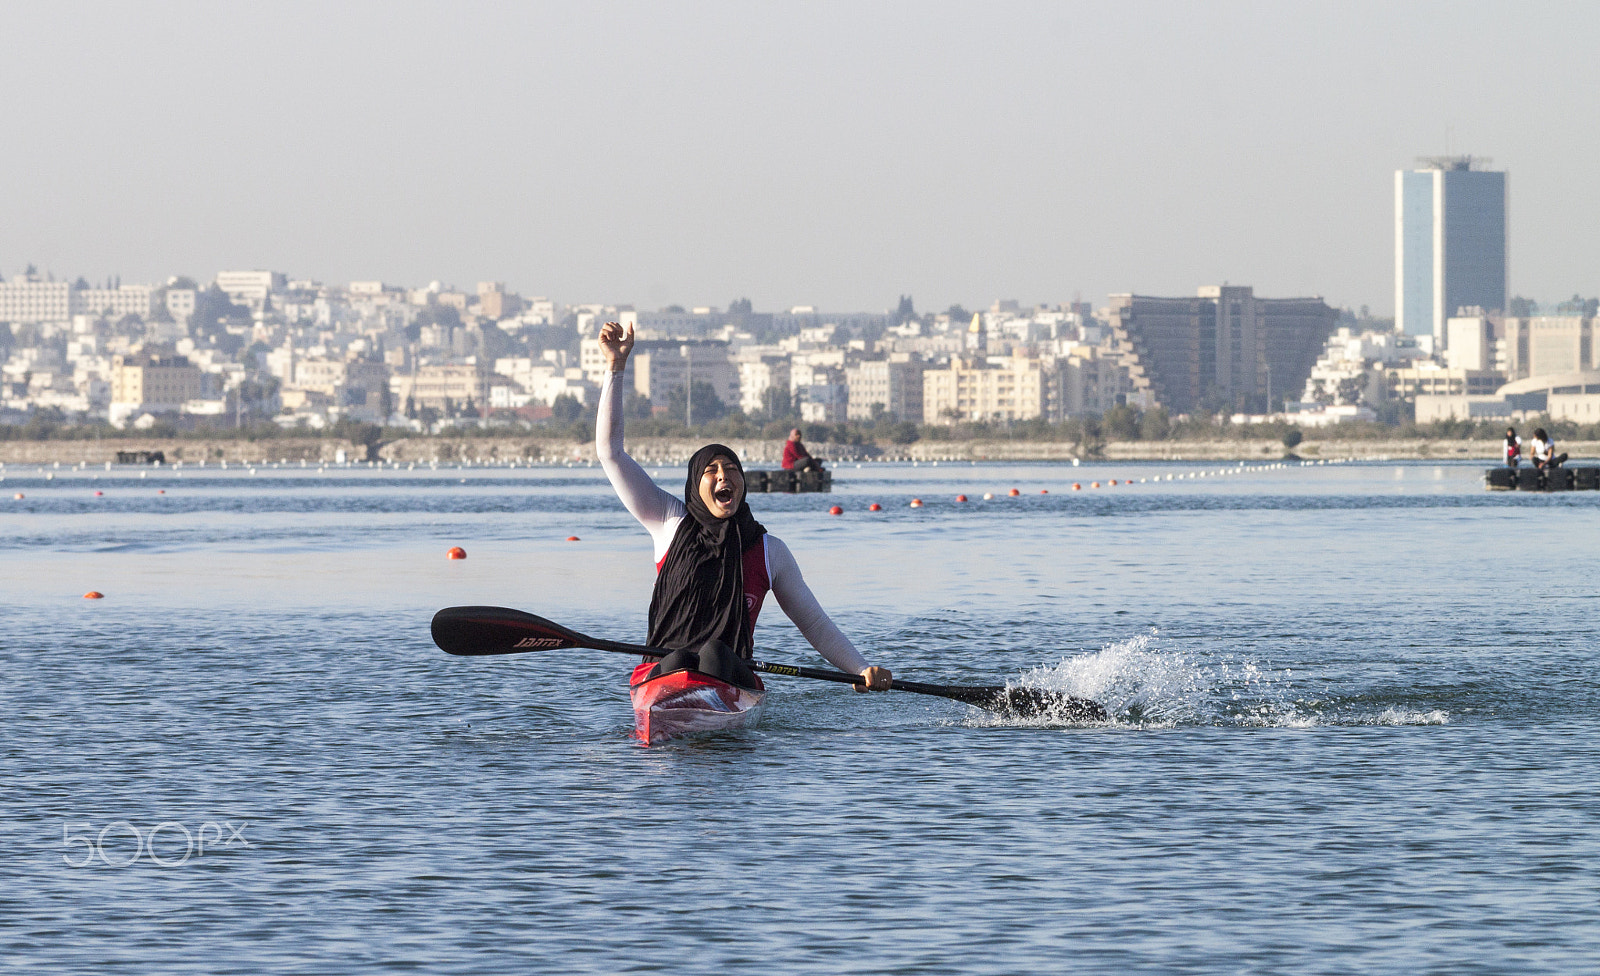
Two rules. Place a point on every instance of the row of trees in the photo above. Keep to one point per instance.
(572, 421)
(1088, 434)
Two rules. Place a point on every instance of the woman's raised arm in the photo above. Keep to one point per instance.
(640, 495)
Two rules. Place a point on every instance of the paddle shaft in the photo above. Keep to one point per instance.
(476, 631)
(572, 638)
(844, 677)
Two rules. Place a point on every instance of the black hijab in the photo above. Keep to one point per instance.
(699, 594)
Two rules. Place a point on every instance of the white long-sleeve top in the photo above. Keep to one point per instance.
(660, 513)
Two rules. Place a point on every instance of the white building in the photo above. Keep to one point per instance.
(180, 303)
(824, 403)
(250, 287)
(523, 370)
(114, 303)
(1470, 344)
(757, 376)
(280, 362)
(28, 299)
(1352, 366)
(538, 310)
(1319, 415)
(564, 382)
(893, 384)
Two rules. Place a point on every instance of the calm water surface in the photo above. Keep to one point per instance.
(1355, 729)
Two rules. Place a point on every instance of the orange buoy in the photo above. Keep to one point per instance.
(18, 496)
(456, 552)
(1094, 484)
(161, 491)
(835, 510)
(98, 494)
(1014, 493)
(1113, 482)
(1044, 491)
(916, 503)
(573, 538)
(874, 507)
(1076, 486)
(94, 595)
(988, 496)
(961, 498)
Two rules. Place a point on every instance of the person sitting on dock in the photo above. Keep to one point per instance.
(795, 455)
(1544, 451)
(1513, 448)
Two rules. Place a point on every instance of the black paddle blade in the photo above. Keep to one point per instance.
(499, 630)
(1035, 703)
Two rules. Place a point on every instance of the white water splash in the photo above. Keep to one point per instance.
(1145, 686)
(1406, 716)
(1131, 677)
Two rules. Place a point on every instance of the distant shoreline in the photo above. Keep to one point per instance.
(757, 453)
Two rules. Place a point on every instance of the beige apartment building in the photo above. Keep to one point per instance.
(494, 302)
(1432, 380)
(330, 376)
(1089, 380)
(154, 382)
(1549, 344)
(657, 367)
(439, 386)
(976, 389)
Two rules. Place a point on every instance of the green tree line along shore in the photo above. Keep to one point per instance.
(572, 422)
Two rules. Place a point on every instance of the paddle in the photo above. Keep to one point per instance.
(475, 631)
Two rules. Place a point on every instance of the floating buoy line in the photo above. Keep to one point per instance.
(251, 467)
(1239, 468)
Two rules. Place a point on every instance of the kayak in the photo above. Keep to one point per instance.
(681, 703)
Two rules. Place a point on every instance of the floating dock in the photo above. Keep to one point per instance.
(788, 481)
(141, 457)
(1532, 479)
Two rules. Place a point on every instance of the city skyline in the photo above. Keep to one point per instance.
(693, 153)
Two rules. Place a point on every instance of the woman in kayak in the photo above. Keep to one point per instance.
(714, 561)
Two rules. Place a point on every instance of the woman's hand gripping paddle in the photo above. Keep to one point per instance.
(474, 631)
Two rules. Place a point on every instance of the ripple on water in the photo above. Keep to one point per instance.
(1395, 776)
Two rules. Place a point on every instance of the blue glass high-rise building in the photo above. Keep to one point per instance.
(1449, 243)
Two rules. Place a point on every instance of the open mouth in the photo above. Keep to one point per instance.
(724, 496)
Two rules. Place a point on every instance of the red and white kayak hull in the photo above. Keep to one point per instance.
(686, 702)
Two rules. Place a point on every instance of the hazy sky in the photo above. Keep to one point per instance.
(835, 154)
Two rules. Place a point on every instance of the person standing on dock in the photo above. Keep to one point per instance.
(715, 563)
(795, 455)
(1513, 448)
